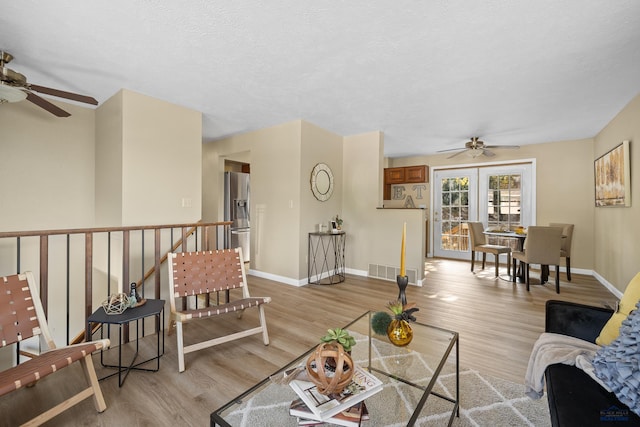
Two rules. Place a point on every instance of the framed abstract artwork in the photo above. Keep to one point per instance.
(613, 177)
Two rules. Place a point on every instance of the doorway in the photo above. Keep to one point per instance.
(497, 195)
(455, 203)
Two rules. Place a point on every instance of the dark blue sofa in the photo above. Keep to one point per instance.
(575, 399)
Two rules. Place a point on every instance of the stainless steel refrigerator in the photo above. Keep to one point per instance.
(236, 209)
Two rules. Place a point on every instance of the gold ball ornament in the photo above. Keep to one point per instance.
(330, 368)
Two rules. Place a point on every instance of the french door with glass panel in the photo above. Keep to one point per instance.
(505, 195)
(455, 203)
(498, 196)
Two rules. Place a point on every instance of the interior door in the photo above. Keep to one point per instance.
(455, 202)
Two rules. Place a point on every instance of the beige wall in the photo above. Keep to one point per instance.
(318, 146)
(108, 170)
(46, 182)
(275, 182)
(39, 190)
(148, 161)
(617, 230)
(284, 209)
(374, 235)
(46, 167)
(56, 173)
(564, 182)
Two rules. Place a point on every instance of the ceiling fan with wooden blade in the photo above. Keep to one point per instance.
(14, 88)
(476, 148)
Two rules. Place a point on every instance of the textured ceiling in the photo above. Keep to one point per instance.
(428, 74)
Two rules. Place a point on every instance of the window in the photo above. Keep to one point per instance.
(503, 201)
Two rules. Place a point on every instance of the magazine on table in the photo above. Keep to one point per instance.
(362, 385)
(351, 417)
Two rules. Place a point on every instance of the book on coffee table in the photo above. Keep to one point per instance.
(322, 406)
(351, 417)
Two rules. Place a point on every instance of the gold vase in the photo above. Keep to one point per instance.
(399, 332)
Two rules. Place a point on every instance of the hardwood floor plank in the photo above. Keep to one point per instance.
(498, 322)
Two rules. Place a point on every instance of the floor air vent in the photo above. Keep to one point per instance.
(386, 272)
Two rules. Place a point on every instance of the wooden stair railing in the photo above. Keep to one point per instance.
(80, 337)
(196, 236)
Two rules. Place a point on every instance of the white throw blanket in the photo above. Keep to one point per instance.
(550, 349)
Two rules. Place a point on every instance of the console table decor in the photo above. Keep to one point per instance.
(326, 258)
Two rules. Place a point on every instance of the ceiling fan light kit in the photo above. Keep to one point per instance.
(476, 148)
(11, 94)
(15, 88)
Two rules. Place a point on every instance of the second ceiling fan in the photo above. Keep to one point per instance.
(476, 148)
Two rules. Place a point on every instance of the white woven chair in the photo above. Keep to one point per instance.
(197, 274)
(22, 317)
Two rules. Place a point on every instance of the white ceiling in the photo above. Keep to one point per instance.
(429, 74)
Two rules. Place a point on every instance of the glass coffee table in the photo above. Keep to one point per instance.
(421, 382)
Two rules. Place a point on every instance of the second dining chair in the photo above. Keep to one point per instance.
(479, 244)
(565, 251)
(541, 247)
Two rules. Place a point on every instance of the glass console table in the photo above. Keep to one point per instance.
(421, 382)
(325, 258)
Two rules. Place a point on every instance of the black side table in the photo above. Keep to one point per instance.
(326, 258)
(153, 307)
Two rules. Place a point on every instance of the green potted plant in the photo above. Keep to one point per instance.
(340, 336)
(338, 221)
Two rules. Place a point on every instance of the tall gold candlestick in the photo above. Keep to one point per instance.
(404, 237)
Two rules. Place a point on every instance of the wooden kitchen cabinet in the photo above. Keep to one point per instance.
(403, 175)
(394, 175)
(415, 173)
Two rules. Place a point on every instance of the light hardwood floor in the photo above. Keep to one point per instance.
(498, 323)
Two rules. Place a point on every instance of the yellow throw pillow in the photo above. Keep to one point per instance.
(628, 302)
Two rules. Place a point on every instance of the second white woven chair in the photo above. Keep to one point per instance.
(196, 275)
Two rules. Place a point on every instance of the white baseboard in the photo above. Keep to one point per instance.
(607, 285)
(277, 278)
(302, 282)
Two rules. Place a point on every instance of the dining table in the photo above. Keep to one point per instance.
(521, 236)
(510, 235)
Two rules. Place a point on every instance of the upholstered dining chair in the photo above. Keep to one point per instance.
(565, 251)
(479, 244)
(541, 247)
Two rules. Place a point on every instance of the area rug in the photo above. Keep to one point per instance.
(489, 401)
(485, 401)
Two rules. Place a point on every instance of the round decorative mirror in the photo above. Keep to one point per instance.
(321, 182)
